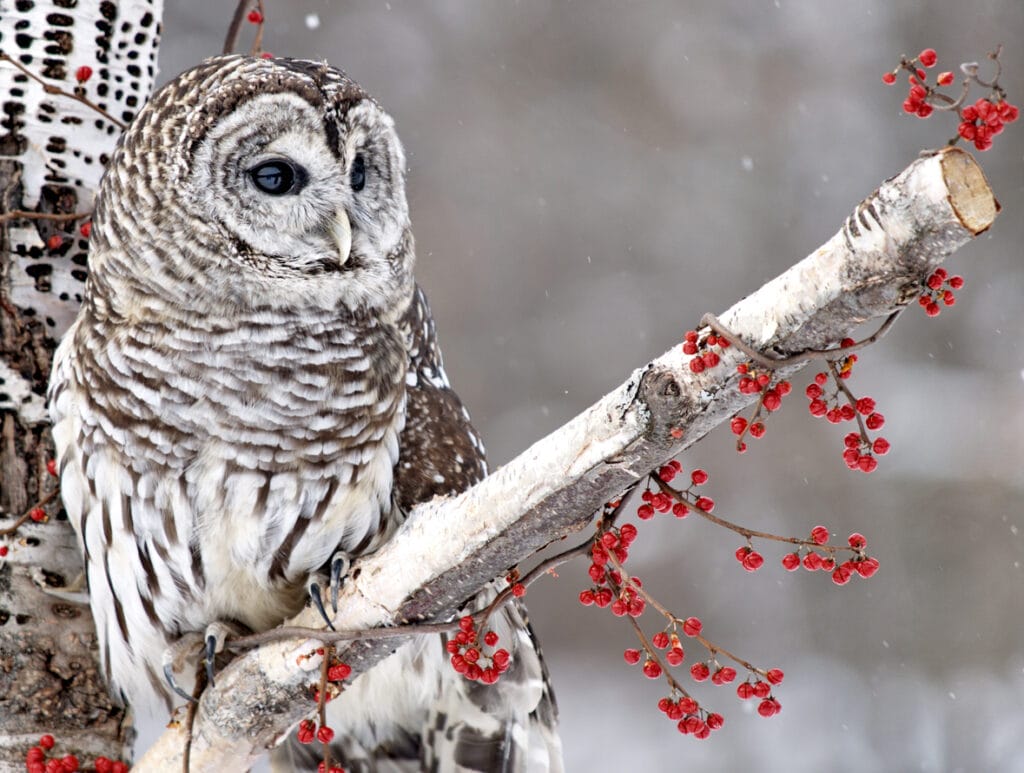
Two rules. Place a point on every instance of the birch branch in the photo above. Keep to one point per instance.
(450, 548)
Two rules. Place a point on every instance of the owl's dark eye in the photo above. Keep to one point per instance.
(358, 174)
(278, 177)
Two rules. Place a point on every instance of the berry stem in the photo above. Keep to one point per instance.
(28, 513)
(771, 363)
(58, 217)
(743, 531)
(57, 91)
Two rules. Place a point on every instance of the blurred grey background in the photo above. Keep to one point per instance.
(587, 178)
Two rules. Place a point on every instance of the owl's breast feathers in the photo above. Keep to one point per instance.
(244, 450)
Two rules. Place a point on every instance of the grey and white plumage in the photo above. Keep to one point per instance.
(253, 382)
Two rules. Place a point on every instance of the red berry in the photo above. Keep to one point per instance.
(83, 73)
(757, 430)
(775, 676)
(928, 57)
(711, 359)
(889, 78)
(38, 515)
(762, 689)
(51, 467)
(753, 561)
(772, 400)
(791, 561)
(700, 672)
(587, 597)
(645, 512)
(254, 17)
(680, 510)
(325, 734)
(103, 765)
(490, 638)
(675, 656)
(47, 741)
(692, 626)
(3, 550)
(518, 590)
(341, 671)
(745, 690)
(306, 731)
(501, 658)
(875, 421)
(707, 504)
(85, 229)
(867, 567)
(819, 535)
(841, 575)
(724, 675)
(466, 624)
(651, 669)
(54, 242)
(769, 707)
(857, 541)
(945, 78)
(880, 446)
(699, 477)
(660, 640)
(632, 656)
(738, 425)
(812, 562)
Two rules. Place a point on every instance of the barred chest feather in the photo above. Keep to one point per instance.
(221, 461)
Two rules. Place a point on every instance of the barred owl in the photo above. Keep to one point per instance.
(252, 384)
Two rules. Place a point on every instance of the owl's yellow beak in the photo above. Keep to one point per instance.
(342, 232)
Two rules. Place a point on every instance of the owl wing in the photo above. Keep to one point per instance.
(510, 725)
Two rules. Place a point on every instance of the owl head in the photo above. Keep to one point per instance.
(255, 183)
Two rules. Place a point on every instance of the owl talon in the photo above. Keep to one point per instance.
(340, 563)
(211, 654)
(172, 682)
(317, 598)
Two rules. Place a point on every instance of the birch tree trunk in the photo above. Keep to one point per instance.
(52, 153)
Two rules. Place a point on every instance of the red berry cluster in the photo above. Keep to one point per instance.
(613, 542)
(985, 119)
(36, 760)
(813, 561)
(979, 122)
(690, 718)
(518, 589)
(661, 502)
(752, 382)
(468, 655)
(762, 690)
(708, 359)
(859, 450)
(939, 287)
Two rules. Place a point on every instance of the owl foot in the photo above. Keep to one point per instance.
(210, 642)
(340, 563)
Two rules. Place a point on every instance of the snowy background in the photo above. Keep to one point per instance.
(587, 178)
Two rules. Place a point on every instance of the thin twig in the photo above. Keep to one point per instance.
(59, 217)
(57, 91)
(28, 513)
(257, 44)
(771, 363)
(284, 633)
(235, 27)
